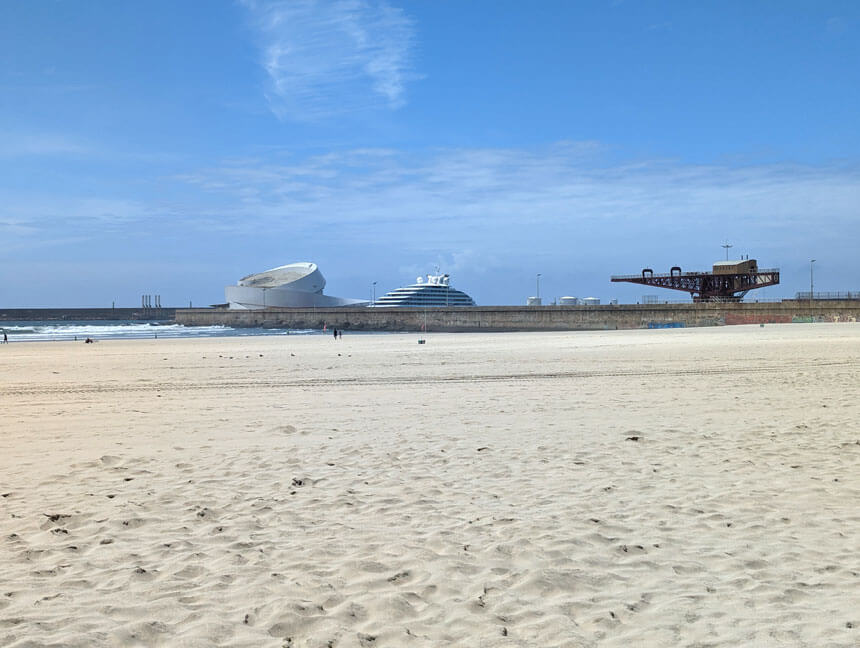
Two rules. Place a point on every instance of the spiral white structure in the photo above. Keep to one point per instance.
(293, 285)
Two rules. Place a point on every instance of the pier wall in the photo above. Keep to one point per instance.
(479, 318)
(528, 318)
(86, 314)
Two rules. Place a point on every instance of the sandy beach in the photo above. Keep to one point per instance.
(690, 487)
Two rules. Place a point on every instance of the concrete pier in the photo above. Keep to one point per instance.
(86, 314)
(528, 318)
(478, 318)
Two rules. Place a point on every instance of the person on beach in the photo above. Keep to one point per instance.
(5, 338)
(334, 332)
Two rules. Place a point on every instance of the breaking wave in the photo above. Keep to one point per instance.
(112, 330)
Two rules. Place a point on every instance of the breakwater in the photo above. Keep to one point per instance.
(528, 318)
(87, 314)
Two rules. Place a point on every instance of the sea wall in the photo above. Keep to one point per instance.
(527, 318)
(86, 314)
(479, 318)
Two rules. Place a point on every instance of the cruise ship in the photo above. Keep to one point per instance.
(435, 291)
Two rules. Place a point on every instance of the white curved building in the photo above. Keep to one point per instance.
(296, 285)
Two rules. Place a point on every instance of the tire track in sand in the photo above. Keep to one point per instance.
(95, 388)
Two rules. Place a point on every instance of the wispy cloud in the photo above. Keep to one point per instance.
(38, 214)
(560, 186)
(13, 145)
(329, 57)
(473, 200)
(479, 206)
(566, 209)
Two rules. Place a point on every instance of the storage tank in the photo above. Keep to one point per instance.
(568, 301)
(591, 301)
(533, 301)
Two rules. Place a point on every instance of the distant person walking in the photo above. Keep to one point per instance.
(334, 332)
(5, 338)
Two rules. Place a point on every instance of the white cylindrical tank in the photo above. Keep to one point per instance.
(591, 301)
(533, 301)
(568, 301)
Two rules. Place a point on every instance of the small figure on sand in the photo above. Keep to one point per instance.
(334, 332)
(88, 341)
(5, 338)
(340, 334)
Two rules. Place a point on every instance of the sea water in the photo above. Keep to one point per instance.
(47, 331)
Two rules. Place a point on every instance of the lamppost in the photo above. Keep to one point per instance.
(811, 282)
(727, 246)
(538, 286)
(373, 299)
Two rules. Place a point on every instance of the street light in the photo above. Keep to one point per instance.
(811, 282)
(727, 246)
(373, 299)
(538, 286)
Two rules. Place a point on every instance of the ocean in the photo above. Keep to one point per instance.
(56, 331)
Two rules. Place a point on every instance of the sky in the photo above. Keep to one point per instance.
(171, 148)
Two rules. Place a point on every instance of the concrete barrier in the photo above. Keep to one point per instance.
(86, 314)
(527, 318)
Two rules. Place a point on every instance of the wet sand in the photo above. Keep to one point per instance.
(694, 487)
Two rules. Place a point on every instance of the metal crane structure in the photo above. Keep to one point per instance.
(730, 281)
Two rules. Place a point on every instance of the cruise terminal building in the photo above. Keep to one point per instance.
(293, 285)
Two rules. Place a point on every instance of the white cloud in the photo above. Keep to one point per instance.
(325, 58)
(36, 214)
(566, 210)
(477, 208)
(561, 187)
(508, 212)
(15, 145)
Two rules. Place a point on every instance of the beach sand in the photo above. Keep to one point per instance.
(688, 487)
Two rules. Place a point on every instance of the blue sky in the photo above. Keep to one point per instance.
(171, 148)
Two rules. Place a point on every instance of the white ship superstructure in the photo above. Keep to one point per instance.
(435, 291)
